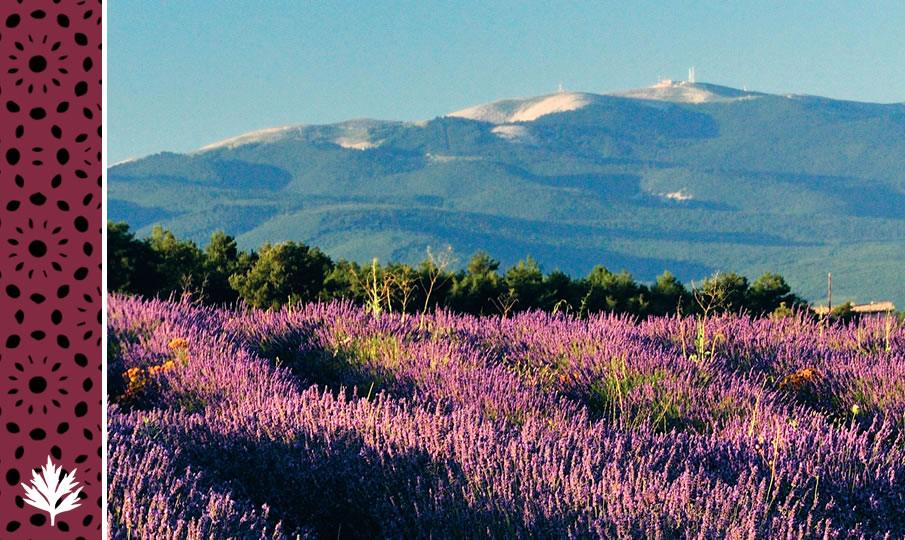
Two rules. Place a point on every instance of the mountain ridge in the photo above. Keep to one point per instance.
(667, 91)
(798, 185)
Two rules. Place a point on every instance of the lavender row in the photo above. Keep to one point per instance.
(326, 420)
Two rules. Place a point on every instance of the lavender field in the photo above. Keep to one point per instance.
(327, 421)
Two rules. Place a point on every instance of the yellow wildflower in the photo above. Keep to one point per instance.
(800, 378)
(179, 343)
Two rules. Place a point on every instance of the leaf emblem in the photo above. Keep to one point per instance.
(47, 491)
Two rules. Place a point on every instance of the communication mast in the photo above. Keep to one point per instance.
(560, 90)
(691, 74)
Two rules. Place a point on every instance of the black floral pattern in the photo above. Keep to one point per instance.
(37, 64)
(50, 261)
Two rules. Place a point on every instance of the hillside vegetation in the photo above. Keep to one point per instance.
(798, 185)
(330, 420)
(290, 272)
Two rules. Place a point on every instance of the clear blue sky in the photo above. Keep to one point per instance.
(185, 73)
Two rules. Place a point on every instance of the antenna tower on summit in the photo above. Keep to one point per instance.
(560, 90)
(691, 74)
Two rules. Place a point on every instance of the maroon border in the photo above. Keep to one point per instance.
(50, 259)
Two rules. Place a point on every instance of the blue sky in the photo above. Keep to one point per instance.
(182, 74)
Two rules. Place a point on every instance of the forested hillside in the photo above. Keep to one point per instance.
(704, 179)
(288, 273)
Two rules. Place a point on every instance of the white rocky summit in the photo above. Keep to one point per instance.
(509, 115)
(259, 136)
(687, 92)
(507, 111)
(526, 109)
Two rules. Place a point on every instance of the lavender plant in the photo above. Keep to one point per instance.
(327, 421)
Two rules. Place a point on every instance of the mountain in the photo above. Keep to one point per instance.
(679, 176)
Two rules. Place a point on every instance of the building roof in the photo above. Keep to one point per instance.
(873, 307)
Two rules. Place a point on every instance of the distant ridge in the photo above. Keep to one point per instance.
(349, 134)
(688, 92)
(679, 176)
(259, 136)
(526, 109)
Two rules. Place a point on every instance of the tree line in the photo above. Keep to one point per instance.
(289, 272)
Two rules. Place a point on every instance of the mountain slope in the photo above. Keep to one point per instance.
(689, 177)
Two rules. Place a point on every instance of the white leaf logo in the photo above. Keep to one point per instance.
(47, 490)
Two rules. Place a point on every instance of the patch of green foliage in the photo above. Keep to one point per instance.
(292, 272)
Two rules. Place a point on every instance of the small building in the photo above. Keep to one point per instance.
(874, 308)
